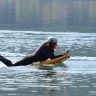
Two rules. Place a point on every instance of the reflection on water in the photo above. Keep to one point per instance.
(47, 82)
(74, 77)
(46, 15)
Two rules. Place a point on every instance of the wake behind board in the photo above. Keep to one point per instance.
(52, 61)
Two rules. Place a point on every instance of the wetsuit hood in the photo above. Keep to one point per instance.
(52, 40)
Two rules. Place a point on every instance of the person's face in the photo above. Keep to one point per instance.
(55, 45)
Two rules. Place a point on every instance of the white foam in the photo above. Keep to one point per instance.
(36, 32)
(83, 58)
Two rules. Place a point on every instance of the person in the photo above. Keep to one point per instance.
(45, 51)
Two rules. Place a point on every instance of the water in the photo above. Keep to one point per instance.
(61, 15)
(74, 77)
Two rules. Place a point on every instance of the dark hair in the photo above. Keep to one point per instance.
(51, 46)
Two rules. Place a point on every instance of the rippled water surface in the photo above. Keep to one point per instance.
(74, 77)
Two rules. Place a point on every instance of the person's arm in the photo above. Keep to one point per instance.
(52, 56)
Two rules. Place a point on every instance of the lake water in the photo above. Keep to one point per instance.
(74, 77)
(48, 15)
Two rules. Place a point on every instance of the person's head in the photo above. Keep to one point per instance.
(52, 42)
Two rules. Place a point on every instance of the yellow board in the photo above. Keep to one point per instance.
(52, 61)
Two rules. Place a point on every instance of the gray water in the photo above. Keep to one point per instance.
(48, 15)
(73, 77)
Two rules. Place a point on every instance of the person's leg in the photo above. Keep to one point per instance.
(25, 61)
(5, 61)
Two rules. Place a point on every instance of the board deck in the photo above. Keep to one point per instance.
(52, 61)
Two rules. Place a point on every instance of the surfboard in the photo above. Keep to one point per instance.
(52, 61)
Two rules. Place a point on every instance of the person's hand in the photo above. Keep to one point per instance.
(66, 52)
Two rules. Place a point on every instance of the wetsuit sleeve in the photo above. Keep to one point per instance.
(52, 56)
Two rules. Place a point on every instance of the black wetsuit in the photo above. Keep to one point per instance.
(42, 54)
